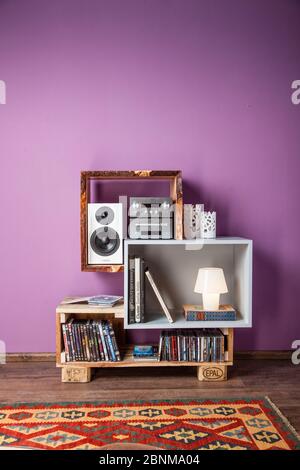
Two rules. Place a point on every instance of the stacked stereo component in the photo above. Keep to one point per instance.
(151, 218)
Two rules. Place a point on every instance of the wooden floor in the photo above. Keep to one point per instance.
(40, 381)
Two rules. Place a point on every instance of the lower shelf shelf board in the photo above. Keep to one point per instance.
(128, 361)
(160, 321)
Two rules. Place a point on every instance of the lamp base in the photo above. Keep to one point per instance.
(211, 301)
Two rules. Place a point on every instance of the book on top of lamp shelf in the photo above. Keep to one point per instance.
(198, 313)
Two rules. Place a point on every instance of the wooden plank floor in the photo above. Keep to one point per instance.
(40, 381)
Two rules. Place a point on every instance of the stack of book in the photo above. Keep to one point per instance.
(203, 345)
(138, 272)
(90, 340)
(145, 353)
(136, 299)
(197, 313)
(104, 300)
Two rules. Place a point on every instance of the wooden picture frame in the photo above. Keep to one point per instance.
(176, 193)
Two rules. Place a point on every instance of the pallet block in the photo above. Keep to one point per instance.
(213, 373)
(76, 374)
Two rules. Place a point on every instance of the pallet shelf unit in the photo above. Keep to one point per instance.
(82, 371)
(174, 264)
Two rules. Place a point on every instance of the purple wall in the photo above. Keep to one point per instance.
(203, 86)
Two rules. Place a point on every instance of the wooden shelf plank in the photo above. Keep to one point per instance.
(132, 174)
(104, 268)
(157, 320)
(81, 308)
(128, 361)
(131, 363)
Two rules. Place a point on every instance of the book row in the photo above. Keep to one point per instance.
(138, 272)
(205, 345)
(90, 340)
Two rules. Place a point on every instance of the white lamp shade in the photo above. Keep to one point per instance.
(211, 281)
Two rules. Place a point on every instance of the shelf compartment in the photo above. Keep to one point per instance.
(174, 265)
(64, 312)
(81, 371)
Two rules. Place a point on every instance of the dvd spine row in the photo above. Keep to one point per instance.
(90, 341)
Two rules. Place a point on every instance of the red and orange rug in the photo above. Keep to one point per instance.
(253, 424)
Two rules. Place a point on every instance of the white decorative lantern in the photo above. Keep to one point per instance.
(208, 224)
(192, 220)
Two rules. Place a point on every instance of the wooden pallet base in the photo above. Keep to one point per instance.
(83, 374)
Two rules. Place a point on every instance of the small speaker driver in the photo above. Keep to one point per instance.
(105, 215)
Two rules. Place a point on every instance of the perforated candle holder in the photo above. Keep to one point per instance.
(208, 224)
(192, 221)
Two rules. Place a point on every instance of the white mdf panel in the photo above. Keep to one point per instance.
(174, 265)
(196, 242)
(243, 280)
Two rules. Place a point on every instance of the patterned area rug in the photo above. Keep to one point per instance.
(253, 424)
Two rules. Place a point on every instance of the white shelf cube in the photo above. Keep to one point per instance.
(174, 265)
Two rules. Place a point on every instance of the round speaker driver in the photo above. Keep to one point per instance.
(105, 241)
(104, 215)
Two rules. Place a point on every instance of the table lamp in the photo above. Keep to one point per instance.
(211, 283)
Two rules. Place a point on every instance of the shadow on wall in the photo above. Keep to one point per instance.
(267, 305)
(110, 283)
(193, 194)
(267, 273)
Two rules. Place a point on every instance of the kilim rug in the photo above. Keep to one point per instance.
(235, 424)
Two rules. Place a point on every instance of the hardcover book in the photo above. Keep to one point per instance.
(137, 289)
(158, 295)
(197, 313)
(131, 291)
(142, 293)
